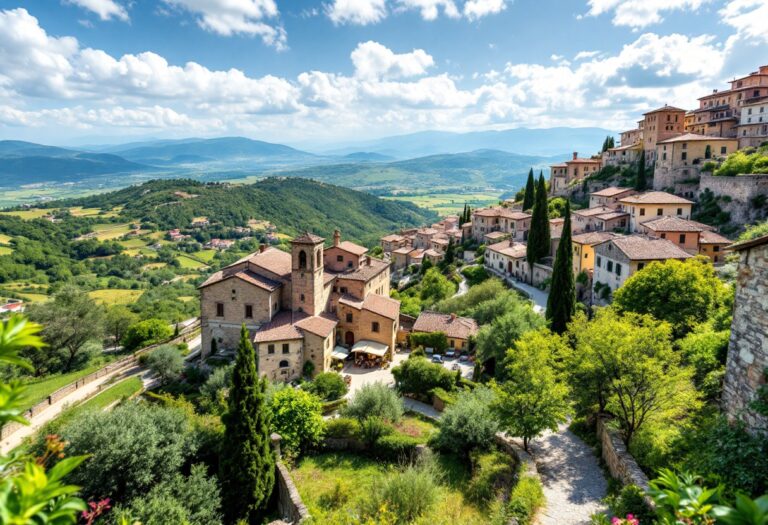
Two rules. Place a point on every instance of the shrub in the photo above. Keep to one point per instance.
(396, 447)
(213, 393)
(377, 400)
(308, 369)
(435, 340)
(297, 417)
(342, 428)
(372, 429)
(475, 275)
(166, 362)
(418, 352)
(419, 377)
(328, 386)
(631, 500)
(407, 495)
(525, 498)
(491, 472)
(468, 423)
(332, 406)
(145, 333)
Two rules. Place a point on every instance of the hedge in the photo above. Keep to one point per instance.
(396, 447)
(435, 340)
(332, 406)
(342, 428)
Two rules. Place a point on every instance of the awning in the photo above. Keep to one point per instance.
(370, 347)
(340, 353)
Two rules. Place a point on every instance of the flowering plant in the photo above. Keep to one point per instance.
(629, 520)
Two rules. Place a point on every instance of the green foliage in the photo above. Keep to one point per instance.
(308, 369)
(434, 340)
(641, 180)
(247, 463)
(342, 427)
(530, 192)
(526, 497)
(683, 293)
(705, 350)
(374, 428)
(297, 417)
(631, 500)
(475, 275)
(191, 500)
(532, 398)
(419, 376)
(495, 338)
(561, 301)
(213, 393)
(408, 495)
(608, 143)
(375, 400)
(468, 423)
(328, 386)
(435, 287)
(166, 362)
(117, 321)
(754, 231)
(743, 163)
(538, 235)
(557, 208)
(709, 211)
(396, 447)
(146, 333)
(492, 471)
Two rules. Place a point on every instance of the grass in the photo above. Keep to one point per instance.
(448, 203)
(205, 255)
(39, 389)
(31, 213)
(33, 297)
(414, 425)
(79, 211)
(189, 263)
(133, 243)
(5, 250)
(318, 476)
(154, 266)
(186, 298)
(112, 296)
(109, 231)
(5, 239)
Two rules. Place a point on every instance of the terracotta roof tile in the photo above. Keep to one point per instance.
(384, 306)
(365, 271)
(693, 137)
(710, 237)
(515, 250)
(282, 327)
(320, 325)
(352, 248)
(392, 238)
(592, 238)
(451, 326)
(611, 191)
(642, 248)
(591, 212)
(675, 224)
(655, 197)
(308, 238)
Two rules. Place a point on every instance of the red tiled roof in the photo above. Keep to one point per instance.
(665, 108)
(352, 248)
(642, 248)
(675, 224)
(308, 238)
(611, 191)
(364, 272)
(710, 237)
(245, 275)
(405, 250)
(592, 238)
(693, 137)
(591, 212)
(451, 326)
(516, 250)
(384, 306)
(392, 238)
(655, 197)
(321, 325)
(282, 327)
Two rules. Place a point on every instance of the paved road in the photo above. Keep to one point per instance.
(573, 482)
(539, 297)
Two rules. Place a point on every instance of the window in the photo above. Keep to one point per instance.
(375, 326)
(286, 348)
(249, 311)
(682, 238)
(219, 309)
(723, 150)
(684, 155)
(679, 211)
(452, 343)
(270, 349)
(599, 261)
(302, 260)
(618, 269)
(663, 235)
(716, 249)
(343, 289)
(640, 266)
(609, 266)
(642, 211)
(349, 317)
(301, 298)
(339, 258)
(659, 211)
(283, 364)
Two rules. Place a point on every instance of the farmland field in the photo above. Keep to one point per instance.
(189, 263)
(109, 231)
(448, 203)
(33, 297)
(113, 296)
(133, 243)
(5, 239)
(205, 255)
(5, 250)
(32, 213)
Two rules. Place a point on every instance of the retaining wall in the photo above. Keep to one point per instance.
(741, 189)
(620, 462)
(289, 502)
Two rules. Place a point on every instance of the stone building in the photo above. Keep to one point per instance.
(650, 205)
(679, 160)
(609, 197)
(458, 330)
(500, 219)
(748, 348)
(563, 176)
(753, 124)
(509, 259)
(659, 125)
(307, 305)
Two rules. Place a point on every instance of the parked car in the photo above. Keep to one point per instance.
(437, 359)
(463, 358)
(450, 354)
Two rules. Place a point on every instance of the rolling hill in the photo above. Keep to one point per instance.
(29, 169)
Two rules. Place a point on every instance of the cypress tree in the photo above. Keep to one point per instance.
(561, 303)
(641, 183)
(450, 252)
(247, 463)
(530, 191)
(538, 236)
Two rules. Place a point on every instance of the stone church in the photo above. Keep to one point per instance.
(312, 304)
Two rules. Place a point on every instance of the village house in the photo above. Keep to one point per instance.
(659, 125)
(653, 204)
(617, 259)
(219, 244)
(609, 197)
(748, 347)
(500, 219)
(601, 218)
(622, 155)
(200, 222)
(679, 159)
(714, 246)
(423, 238)
(686, 234)
(12, 306)
(458, 330)
(719, 113)
(508, 258)
(563, 176)
(310, 305)
(390, 243)
(175, 235)
(753, 124)
(584, 252)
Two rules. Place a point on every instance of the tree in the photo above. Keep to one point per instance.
(494, 339)
(247, 463)
(435, 287)
(71, 319)
(469, 423)
(608, 143)
(375, 400)
(561, 302)
(418, 376)
(538, 235)
(297, 416)
(530, 192)
(166, 362)
(683, 293)
(450, 252)
(641, 182)
(145, 333)
(532, 398)
(626, 363)
(117, 321)
(328, 386)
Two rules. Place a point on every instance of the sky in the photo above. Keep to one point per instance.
(293, 71)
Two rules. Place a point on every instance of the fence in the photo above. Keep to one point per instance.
(125, 362)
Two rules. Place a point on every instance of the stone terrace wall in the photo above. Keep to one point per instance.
(289, 502)
(741, 189)
(620, 462)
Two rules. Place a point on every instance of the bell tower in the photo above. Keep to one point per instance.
(307, 274)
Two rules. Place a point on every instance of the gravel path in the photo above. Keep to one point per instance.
(573, 481)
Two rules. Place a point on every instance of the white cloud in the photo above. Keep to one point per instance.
(358, 12)
(581, 55)
(640, 13)
(748, 17)
(430, 9)
(373, 61)
(104, 9)
(474, 9)
(232, 17)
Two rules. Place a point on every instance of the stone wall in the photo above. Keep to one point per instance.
(748, 347)
(740, 189)
(620, 462)
(289, 502)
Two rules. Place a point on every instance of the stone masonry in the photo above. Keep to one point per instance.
(748, 347)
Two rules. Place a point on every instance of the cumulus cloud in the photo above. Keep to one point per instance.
(474, 9)
(373, 61)
(748, 17)
(358, 12)
(640, 13)
(236, 17)
(104, 9)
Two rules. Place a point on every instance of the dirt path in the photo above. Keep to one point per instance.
(573, 481)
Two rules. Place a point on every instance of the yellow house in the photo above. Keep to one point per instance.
(679, 159)
(653, 204)
(583, 250)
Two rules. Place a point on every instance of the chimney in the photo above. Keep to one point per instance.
(511, 242)
(262, 247)
(368, 260)
(453, 317)
(575, 155)
(336, 237)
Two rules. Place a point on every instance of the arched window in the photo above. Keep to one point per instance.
(283, 364)
(302, 260)
(317, 259)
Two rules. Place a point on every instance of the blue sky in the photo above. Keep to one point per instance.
(74, 71)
